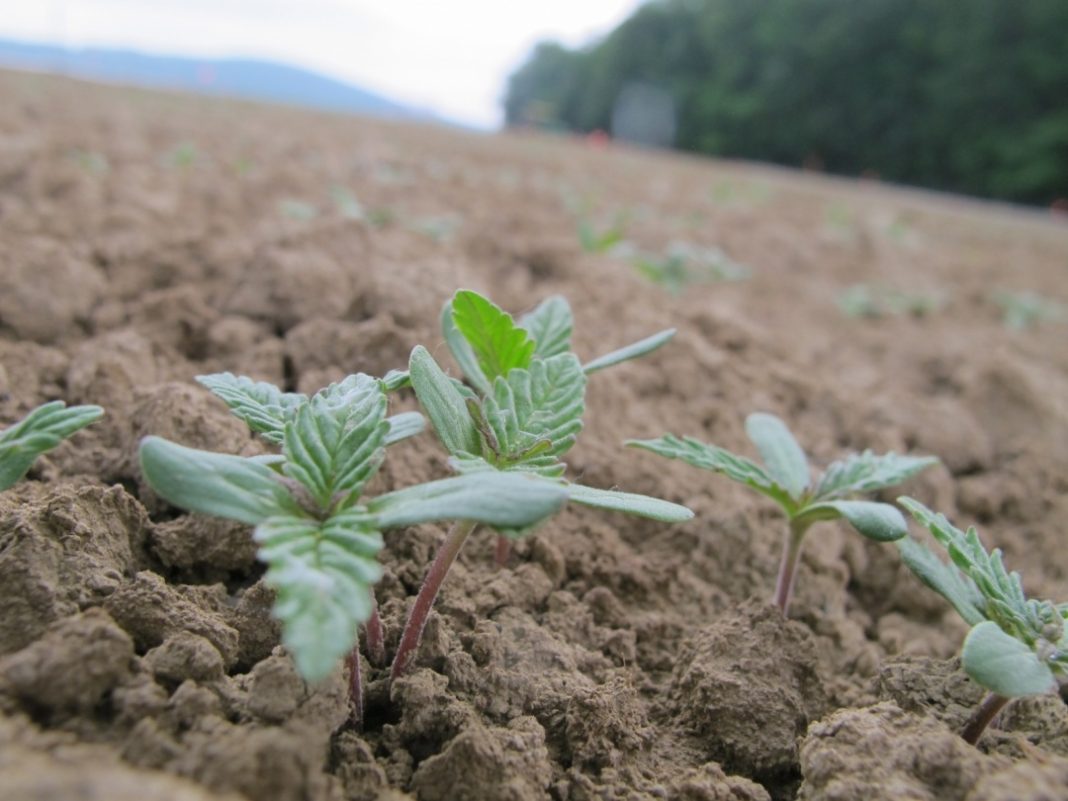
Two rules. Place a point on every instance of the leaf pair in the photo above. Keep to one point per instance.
(1017, 646)
(319, 538)
(39, 431)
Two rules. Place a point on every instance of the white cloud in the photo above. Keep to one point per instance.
(453, 57)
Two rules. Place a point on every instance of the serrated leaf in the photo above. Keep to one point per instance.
(263, 407)
(404, 425)
(632, 351)
(213, 483)
(718, 460)
(39, 431)
(944, 579)
(1003, 664)
(549, 325)
(336, 441)
(783, 457)
(502, 500)
(542, 404)
(444, 404)
(629, 503)
(876, 521)
(498, 344)
(866, 472)
(323, 573)
(462, 352)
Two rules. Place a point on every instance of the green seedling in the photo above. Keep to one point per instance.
(440, 228)
(786, 478)
(346, 203)
(596, 239)
(522, 413)
(1023, 310)
(1017, 646)
(868, 301)
(686, 264)
(318, 536)
(297, 209)
(182, 156)
(39, 431)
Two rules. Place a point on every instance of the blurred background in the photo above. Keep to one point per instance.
(964, 96)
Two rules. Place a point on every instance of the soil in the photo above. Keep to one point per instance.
(146, 238)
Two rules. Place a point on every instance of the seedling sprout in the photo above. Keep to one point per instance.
(1017, 646)
(39, 431)
(786, 478)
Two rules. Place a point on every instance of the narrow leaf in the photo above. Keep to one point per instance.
(444, 404)
(866, 472)
(503, 500)
(876, 521)
(498, 343)
(629, 503)
(39, 431)
(718, 460)
(404, 425)
(944, 579)
(213, 483)
(263, 407)
(632, 351)
(396, 379)
(549, 325)
(781, 454)
(1003, 664)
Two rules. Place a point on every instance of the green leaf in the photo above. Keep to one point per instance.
(866, 472)
(876, 521)
(782, 455)
(629, 503)
(323, 573)
(444, 404)
(502, 500)
(336, 441)
(498, 343)
(1003, 664)
(549, 325)
(39, 431)
(718, 460)
(541, 405)
(632, 351)
(396, 379)
(462, 351)
(213, 483)
(944, 579)
(404, 425)
(263, 407)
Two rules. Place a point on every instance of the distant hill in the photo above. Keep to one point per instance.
(247, 78)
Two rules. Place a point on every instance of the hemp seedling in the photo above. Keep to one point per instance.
(1017, 646)
(523, 417)
(317, 535)
(39, 431)
(786, 478)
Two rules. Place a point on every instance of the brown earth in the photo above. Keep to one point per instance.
(147, 238)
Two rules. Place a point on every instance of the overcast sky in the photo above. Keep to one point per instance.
(452, 56)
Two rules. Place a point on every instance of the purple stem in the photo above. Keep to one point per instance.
(376, 646)
(791, 552)
(417, 617)
(355, 687)
(504, 550)
(984, 713)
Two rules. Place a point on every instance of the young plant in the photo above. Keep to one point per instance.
(39, 431)
(318, 536)
(523, 415)
(602, 240)
(684, 264)
(1017, 646)
(786, 478)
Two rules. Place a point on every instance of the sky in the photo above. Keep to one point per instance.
(452, 57)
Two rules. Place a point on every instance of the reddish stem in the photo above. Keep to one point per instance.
(791, 552)
(355, 687)
(376, 646)
(504, 550)
(417, 617)
(980, 719)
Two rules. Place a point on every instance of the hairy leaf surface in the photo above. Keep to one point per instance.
(404, 425)
(877, 521)
(323, 573)
(497, 342)
(549, 325)
(444, 404)
(629, 503)
(783, 457)
(213, 483)
(39, 431)
(263, 407)
(336, 441)
(1003, 664)
(866, 472)
(632, 351)
(944, 579)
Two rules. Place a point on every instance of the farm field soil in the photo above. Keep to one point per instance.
(148, 238)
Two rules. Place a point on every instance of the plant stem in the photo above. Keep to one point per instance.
(355, 687)
(376, 646)
(413, 627)
(984, 713)
(791, 551)
(504, 550)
